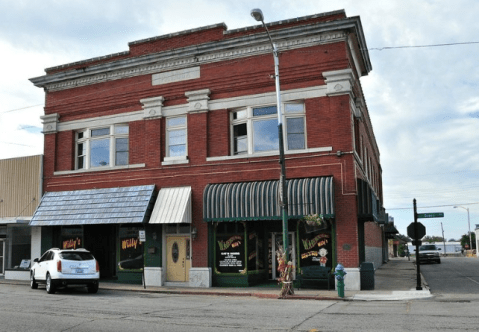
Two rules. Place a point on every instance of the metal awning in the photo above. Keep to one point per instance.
(260, 201)
(172, 206)
(96, 206)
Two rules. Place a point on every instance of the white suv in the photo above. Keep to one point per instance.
(429, 253)
(59, 268)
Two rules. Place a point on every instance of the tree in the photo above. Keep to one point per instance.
(432, 238)
(451, 240)
(465, 240)
(403, 237)
(402, 248)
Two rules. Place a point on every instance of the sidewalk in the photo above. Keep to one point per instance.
(394, 281)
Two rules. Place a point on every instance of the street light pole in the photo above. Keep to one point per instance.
(258, 16)
(468, 223)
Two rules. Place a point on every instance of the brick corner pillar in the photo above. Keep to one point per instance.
(347, 239)
(50, 129)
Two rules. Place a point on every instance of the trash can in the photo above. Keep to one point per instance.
(367, 276)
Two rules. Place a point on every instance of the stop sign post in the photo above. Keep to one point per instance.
(416, 230)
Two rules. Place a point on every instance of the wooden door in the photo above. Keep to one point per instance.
(177, 261)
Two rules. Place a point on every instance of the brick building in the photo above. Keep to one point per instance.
(178, 137)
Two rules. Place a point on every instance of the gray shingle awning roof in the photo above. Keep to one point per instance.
(95, 206)
(260, 201)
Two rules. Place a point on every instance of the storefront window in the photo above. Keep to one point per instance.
(131, 249)
(19, 245)
(72, 237)
(230, 248)
(315, 246)
(255, 251)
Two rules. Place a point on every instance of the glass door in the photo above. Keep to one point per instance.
(276, 242)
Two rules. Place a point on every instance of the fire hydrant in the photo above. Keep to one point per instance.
(340, 275)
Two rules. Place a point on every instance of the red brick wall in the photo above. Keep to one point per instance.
(218, 138)
(65, 156)
(197, 137)
(373, 235)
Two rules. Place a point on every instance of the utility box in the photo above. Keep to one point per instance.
(367, 276)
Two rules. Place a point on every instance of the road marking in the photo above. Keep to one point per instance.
(472, 280)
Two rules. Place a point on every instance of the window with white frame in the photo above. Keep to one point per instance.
(255, 129)
(176, 137)
(102, 147)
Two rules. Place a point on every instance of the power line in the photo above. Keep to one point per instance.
(418, 46)
(432, 206)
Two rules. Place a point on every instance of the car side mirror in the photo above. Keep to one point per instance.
(35, 260)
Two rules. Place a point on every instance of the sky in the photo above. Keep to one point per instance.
(422, 93)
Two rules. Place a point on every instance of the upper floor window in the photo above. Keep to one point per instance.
(255, 129)
(176, 139)
(102, 147)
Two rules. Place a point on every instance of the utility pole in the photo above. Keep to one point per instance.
(443, 240)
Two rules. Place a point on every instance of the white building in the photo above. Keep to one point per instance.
(449, 248)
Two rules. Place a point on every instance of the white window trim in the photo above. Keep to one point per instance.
(249, 127)
(87, 139)
(167, 160)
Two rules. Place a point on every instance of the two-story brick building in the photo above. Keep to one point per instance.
(178, 137)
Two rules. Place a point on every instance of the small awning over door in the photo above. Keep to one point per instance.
(260, 201)
(172, 206)
(96, 206)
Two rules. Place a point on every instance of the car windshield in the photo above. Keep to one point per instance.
(428, 247)
(76, 256)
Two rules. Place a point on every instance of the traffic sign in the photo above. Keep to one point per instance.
(411, 231)
(431, 215)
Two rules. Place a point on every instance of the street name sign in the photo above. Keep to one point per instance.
(431, 215)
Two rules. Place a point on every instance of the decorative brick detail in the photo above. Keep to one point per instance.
(198, 100)
(50, 123)
(339, 82)
(152, 107)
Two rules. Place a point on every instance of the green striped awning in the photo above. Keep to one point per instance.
(260, 200)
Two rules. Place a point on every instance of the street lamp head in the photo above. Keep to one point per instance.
(257, 14)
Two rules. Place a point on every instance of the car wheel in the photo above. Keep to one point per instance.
(92, 289)
(49, 285)
(33, 283)
(439, 261)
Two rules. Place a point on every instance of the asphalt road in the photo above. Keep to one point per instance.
(23, 309)
(455, 277)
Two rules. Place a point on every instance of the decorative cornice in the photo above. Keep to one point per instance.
(285, 39)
